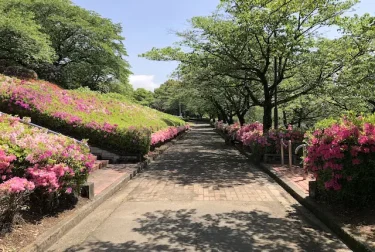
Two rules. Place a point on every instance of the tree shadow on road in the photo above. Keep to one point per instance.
(186, 230)
(202, 157)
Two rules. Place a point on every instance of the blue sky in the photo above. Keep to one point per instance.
(149, 23)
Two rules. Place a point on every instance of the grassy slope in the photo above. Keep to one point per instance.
(87, 105)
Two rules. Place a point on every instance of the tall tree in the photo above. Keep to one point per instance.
(79, 47)
(271, 46)
(21, 41)
(144, 97)
(167, 97)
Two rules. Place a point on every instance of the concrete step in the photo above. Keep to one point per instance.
(105, 177)
(100, 164)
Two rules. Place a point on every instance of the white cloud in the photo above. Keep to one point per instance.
(143, 81)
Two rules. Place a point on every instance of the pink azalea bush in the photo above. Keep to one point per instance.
(220, 125)
(5, 164)
(275, 136)
(251, 135)
(232, 129)
(16, 185)
(165, 135)
(342, 157)
(252, 127)
(13, 195)
(109, 121)
(37, 163)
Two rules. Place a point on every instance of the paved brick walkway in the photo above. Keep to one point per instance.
(105, 177)
(201, 195)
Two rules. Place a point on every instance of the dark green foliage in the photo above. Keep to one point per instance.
(20, 72)
(64, 43)
(143, 97)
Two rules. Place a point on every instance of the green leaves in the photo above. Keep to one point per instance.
(143, 97)
(165, 54)
(64, 43)
(270, 53)
(21, 40)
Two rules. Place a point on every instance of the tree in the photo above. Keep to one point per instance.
(144, 97)
(166, 97)
(306, 110)
(21, 41)
(70, 46)
(272, 47)
(228, 98)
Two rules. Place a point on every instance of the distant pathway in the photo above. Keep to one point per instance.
(201, 195)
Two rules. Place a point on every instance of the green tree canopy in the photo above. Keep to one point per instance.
(64, 43)
(272, 48)
(144, 97)
(21, 41)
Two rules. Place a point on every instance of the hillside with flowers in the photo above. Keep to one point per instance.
(109, 121)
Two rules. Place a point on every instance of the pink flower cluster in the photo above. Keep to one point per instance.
(5, 164)
(16, 185)
(249, 128)
(232, 129)
(49, 176)
(47, 161)
(167, 134)
(339, 150)
(68, 106)
(255, 137)
(252, 135)
(220, 125)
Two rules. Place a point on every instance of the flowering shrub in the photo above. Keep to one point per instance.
(275, 136)
(13, 196)
(228, 129)
(342, 157)
(16, 185)
(220, 125)
(257, 126)
(251, 135)
(33, 161)
(162, 136)
(232, 129)
(109, 121)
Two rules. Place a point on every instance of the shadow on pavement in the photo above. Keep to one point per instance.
(204, 158)
(185, 230)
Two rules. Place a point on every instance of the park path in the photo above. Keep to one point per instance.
(200, 195)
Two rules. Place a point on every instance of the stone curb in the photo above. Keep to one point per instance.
(49, 237)
(349, 239)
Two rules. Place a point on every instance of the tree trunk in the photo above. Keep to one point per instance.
(285, 120)
(241, 118)
(267, 116)
(221, 111)
(230, 119)
(219, 117)
(275, 80)
(276, 112)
